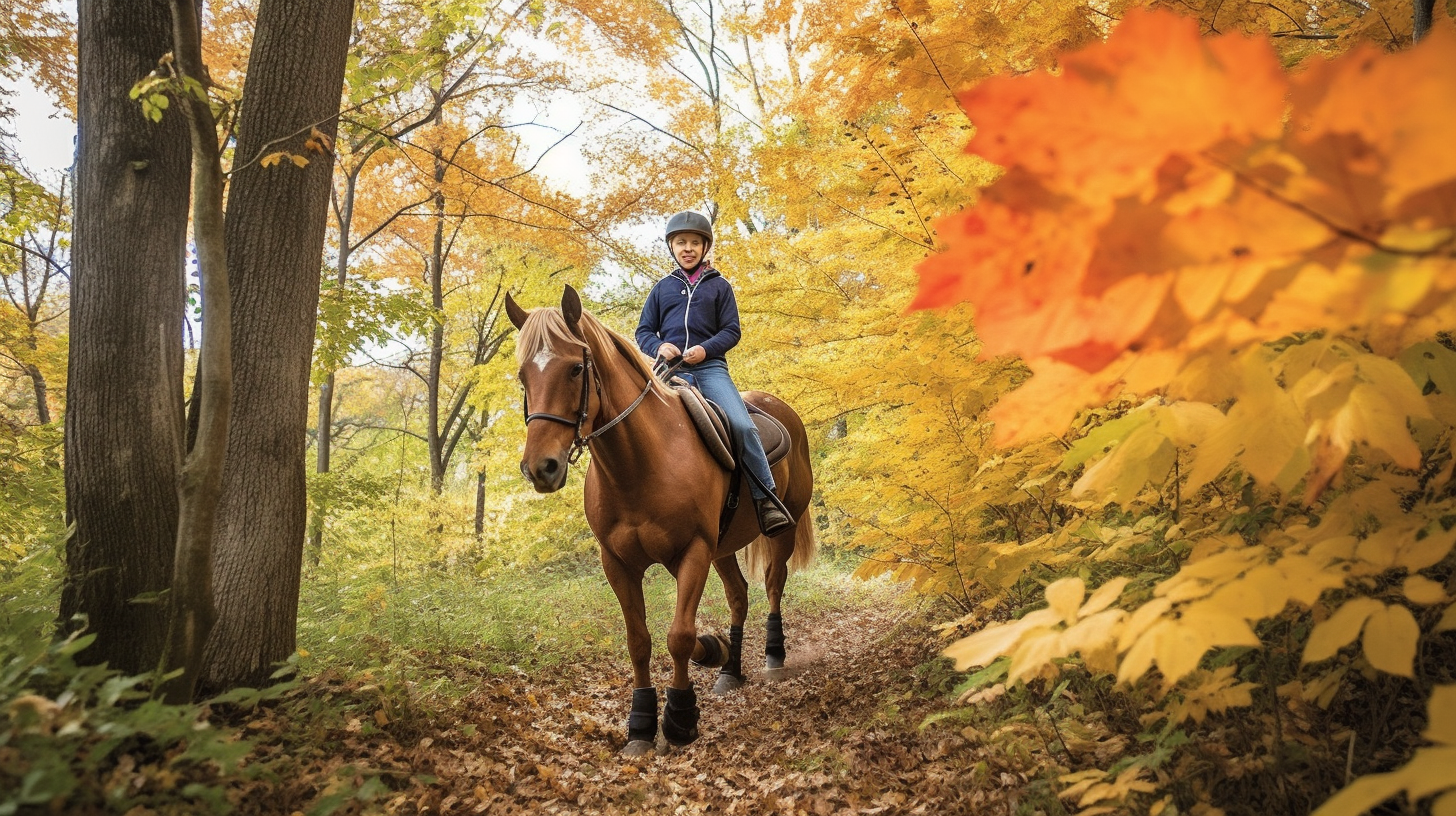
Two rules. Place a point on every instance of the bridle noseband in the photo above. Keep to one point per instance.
(579, 442)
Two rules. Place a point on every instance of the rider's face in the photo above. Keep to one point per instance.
(688, 248)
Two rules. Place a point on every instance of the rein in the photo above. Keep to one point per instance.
(579, 442)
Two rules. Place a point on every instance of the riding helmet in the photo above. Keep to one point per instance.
(689, 221)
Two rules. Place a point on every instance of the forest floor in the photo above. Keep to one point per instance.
(842, 735)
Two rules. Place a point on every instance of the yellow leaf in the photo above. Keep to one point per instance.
(299, 161)
(983, 647)
(1340, 629)
(1445, 806)
(1140, 657)
(1420, 552)
(1036, 651)
(1429, 771)
(1065, 596)
(1441, 716)
(1259, 593)
(1305, 578)
(1104, 597)
(1179, 649)
(1219, 625)
(1448, 620)
(1092, 633)
(1390, 640)
(1422, 590)
(1139, 622)
(271, 159)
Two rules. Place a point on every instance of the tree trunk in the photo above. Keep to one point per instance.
(38, 383)
(479, 505)
(276, 220)
(1424, 9)
(437, 334)
(192, 611)
(123, 424)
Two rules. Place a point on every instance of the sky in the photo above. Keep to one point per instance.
(46, 138)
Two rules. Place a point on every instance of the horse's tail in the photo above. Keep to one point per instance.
(761, 551)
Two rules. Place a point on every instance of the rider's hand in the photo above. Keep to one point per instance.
(695, 355)
(668, 352)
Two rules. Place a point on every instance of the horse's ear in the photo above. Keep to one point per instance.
(571, 308)
(515, 312)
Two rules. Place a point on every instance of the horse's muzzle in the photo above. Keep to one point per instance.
(548, 475)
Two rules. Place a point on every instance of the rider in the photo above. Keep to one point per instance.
(692, 313)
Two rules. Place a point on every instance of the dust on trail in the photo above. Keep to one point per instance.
(840, 736)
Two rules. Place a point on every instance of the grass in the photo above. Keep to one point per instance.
(530, 620)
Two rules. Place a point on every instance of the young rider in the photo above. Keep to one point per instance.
(692, 313)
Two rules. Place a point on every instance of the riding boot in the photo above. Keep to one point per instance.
(771, 520)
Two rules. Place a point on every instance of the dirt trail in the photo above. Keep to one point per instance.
(841, 736)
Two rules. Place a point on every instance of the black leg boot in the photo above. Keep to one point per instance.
(642, 722)
(773, 642)
(680, 716)
(730, 677)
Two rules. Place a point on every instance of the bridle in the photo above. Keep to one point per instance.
(579, 441)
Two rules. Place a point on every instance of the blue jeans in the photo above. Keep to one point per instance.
(711, 377)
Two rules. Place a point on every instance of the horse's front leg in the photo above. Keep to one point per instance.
(680, 716)
(642, 722)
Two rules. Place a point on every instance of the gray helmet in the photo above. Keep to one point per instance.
(689, 221)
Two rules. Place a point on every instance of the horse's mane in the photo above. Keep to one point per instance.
(546, 326)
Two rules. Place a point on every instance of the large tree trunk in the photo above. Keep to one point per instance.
(275, 229)
(124, 410)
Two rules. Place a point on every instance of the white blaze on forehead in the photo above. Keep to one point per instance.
(544, 356)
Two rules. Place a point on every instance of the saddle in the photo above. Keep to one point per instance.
(712, 425)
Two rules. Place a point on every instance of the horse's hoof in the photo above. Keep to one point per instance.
(774, 669)
(727, 684)
(637, 748)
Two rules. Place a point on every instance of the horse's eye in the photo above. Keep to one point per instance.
(576, 370)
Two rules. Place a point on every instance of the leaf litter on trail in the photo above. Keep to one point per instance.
(840, 737)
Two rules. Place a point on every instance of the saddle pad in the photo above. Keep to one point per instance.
(712, 426)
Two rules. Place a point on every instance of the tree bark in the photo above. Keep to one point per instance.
(479, 505)
(123, 424)
(275, 232)
(192, 611)
(1424, 11)
(437, 334)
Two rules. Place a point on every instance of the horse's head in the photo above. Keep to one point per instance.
(558, 384)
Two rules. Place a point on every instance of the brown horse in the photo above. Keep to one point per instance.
(653, 496)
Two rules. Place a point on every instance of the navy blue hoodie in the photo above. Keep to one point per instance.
(689, 315)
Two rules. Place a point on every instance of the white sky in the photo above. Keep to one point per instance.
(45, 136)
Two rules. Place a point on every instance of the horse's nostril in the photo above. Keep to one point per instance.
(525, 469)
(549, 467)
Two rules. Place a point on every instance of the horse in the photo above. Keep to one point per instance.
(653, 495)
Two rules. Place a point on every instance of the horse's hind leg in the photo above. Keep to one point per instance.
(735, 587)
(642, 722)
(777, 575)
